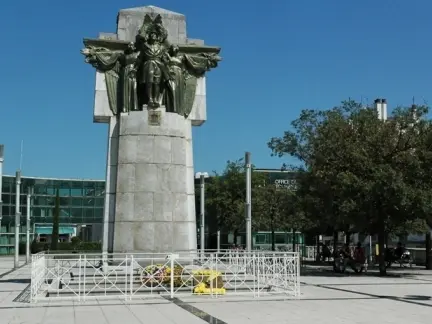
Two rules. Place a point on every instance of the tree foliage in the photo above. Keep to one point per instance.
(360, 172)
(273, 208)
(226, 194)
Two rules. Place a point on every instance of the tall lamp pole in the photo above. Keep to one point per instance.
(17, 217)
(202, 176)
(29, 196)
(248, 203)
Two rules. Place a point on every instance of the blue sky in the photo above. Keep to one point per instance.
(280, 56)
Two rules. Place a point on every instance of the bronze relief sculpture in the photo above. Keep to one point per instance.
(150, 72)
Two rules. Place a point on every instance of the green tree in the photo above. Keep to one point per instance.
(368, 174)
(226, 194)
(268, 206)
(56, 223)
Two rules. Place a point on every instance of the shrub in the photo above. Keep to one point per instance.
(68, 246)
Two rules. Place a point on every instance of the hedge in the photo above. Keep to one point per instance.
(36, 247)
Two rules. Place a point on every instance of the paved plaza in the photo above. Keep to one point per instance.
(326, 298)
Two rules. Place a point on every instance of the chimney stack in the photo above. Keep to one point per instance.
(381, 107)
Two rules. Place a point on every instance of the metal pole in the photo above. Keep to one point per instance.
(248, 202)
(1, 182)
(370, 249)
(17, 217)
(202, 211)
(29, 194)
(218, 241)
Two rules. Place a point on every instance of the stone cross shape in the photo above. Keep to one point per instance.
(150, 196)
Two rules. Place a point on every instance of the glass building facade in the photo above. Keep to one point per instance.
(81, 208)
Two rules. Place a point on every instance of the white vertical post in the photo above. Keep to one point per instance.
(202, 212)
(370, 249)
(202, 176)
(248, 202)
(29, 195)
(1, 182)
(17, 217)
(172, 276)
(218, 241)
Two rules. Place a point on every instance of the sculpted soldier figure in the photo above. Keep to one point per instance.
(153, 73)
(129, 63)
(150, 72)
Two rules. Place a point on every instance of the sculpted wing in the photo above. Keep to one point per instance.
(197, 60)
(105, 56)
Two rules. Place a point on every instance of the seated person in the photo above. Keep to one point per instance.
(326, 254)
(346, 251)
(359, 254)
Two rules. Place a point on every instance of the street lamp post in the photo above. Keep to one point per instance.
(248, 203)
(202, 176)
(17, 217)
(29, 196)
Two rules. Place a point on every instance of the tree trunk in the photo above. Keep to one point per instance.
(428, 251)
(273, 239)
(235, 237)
(293, 240)
(347, 237)
(318, 249)
(381, 243)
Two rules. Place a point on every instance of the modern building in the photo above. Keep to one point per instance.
(81, 209)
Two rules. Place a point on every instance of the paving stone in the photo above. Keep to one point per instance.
(325, 299)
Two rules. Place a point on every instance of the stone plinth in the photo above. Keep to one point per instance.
(155, 209)
(149, 200)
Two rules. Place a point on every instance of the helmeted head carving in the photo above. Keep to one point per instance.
(152, 30)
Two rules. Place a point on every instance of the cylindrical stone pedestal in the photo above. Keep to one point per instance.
(155, 198)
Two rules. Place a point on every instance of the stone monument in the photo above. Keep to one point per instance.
(150, 89)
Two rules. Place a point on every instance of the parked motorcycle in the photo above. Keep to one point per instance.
(391, 257)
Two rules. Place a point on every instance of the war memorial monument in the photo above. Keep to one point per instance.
(150, 89)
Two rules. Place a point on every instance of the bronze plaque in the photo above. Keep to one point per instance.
(154, 118)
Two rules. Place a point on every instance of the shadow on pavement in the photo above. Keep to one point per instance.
(417, 297)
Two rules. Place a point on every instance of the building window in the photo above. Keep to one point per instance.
(88, 202)
(76, 202)
(64, 212)
(23, 199)
(280, 238)
(64, 201)
(88, 214)
(98, 214)
(51, 191)
(40, 190)
(36, 212)
(75, 192)
(6, 210)
(64, 192)
(261, 239)
(76, 188)
(89, 188)
(99, 202)
(6, 199)
(8, 184)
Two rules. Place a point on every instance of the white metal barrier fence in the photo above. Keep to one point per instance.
(307, 252)
(86, 276)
